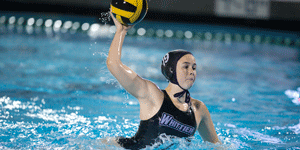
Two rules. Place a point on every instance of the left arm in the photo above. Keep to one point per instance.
(206, 127)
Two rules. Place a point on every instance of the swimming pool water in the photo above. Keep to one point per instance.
(56, 92)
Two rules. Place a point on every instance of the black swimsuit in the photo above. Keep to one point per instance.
(169, 120)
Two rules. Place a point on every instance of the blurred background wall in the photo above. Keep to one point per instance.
(269, 14)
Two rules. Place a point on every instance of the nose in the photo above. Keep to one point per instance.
(191, 71)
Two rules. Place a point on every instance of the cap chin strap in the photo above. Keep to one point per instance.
(180, 94)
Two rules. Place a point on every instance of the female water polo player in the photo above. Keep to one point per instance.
(162, 112)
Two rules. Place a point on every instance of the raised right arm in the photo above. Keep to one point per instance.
(134, 84)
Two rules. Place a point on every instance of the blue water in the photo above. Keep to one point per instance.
(56, 92)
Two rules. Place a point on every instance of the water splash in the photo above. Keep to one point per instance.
(102, 54)
(295, 128)
(105, 17)
(295, 95)
(191, 143)
(257, 136)
(39, 123)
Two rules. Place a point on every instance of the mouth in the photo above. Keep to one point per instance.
(190, 79)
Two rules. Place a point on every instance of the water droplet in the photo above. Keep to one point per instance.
(233, 99)
(105, 17)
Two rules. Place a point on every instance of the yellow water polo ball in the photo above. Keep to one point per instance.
(129, 12)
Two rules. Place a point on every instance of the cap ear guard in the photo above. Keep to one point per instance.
(167, 71)
(170, 74)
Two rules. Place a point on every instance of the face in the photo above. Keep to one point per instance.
(186, 71)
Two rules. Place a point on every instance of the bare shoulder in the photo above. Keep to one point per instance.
(151, 101)
(197, 103)
(200, 110)
(153, 92)
(199, 106)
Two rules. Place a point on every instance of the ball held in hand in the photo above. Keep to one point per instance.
(129, 12)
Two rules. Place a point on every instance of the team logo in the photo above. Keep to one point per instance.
(165, 59)
(168, 120)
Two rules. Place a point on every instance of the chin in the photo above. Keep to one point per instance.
(187, 87)
(190, 87)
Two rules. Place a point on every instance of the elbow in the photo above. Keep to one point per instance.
(213, 141)
(111, 64)
(217, 142)
(108, 62)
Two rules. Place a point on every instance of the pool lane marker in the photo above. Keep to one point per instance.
(105, 30)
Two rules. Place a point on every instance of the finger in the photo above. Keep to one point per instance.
(112, 16)
(116, 22)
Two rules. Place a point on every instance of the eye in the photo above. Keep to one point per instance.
(194, 67)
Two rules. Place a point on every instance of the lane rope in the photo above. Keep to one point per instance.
(96, 30)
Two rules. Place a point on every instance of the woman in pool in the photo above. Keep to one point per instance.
(162, 112)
